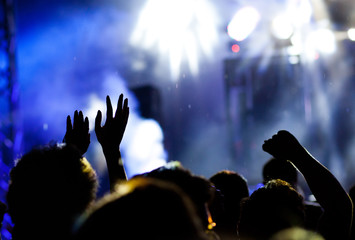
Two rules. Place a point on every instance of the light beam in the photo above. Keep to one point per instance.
(178, 31)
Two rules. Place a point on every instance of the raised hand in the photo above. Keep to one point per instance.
(336, 221)
(111, 134)
(110, 137)
(78, 133)
(283, 145)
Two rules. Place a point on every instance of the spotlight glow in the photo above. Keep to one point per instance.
(145, 151)
(235, 48)
(243, 23)
(282, 27)
(300, 12)
(351, 34)
(322, 40)
(181, 30)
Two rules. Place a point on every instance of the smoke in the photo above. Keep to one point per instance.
(72, 61)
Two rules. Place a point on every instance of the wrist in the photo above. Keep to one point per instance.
(112, 155)
(110, 149)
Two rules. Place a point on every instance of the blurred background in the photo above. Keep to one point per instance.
(207, 81)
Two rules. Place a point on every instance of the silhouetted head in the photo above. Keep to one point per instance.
(296, 233)
(269, 209)
(142, 208)
(199, 189)
(352, 193)
(49, 187)
(233, 188)
(280, 169)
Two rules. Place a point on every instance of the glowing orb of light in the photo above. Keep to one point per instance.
(177, 29)
(282, 27)
(300, 12)
(235, 48)
(243, 23)
(351, 34)
(322, 40)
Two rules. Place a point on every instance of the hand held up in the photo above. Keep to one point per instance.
(77, 134)
(283, 145)
(110, 135)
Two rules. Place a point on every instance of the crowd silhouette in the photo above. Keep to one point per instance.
(56, 186)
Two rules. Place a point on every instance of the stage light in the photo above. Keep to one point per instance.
(177, 30)
(281, 27)
(322, 40)
(294, 50)
(300, 13)
(351, 34)
(243, 23)
(235, 48)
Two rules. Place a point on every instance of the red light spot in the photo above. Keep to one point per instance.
(235, 48)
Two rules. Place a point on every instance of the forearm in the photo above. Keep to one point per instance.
(337, 218)
(327, 190)
(115, 167)
(325, 187)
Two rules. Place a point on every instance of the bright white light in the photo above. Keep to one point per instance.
(145, 151)
(322, 40)
(351, 34)
(293, 60)
(180, 30)
(243, 23)
(282, 27)
(294, 51)
(300, 12)
(297, 40)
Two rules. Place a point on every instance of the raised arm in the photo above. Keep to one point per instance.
(77, 134)
(110, 136)
(337, 218)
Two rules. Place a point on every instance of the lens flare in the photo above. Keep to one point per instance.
(243, 23)
(282, 27)
(322, 40)
(178, 30)
(351, 34)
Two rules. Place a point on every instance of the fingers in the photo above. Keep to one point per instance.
(123, 117)
(267, 146)
(109, 108)
(125, 105)
(69, 125)
(98, 121)
(75, 121)
(282, 134)
(119, 106)
(125, 111)
(81, 117)
(281, 144)
(121, 113)
(86, 124)
(79, 121)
